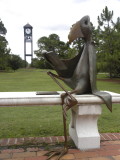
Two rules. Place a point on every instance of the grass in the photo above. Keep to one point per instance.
(31, 121)
(26, 80)
(47, 120)
(110, 122)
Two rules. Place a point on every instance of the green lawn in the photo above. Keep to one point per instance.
(27, 80)
(47, 120)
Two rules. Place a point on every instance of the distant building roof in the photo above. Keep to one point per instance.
(27, 25)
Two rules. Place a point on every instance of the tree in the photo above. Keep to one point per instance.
(51, 43)
(4, 51)
(78, 44)
(108, 54)
(40, 63)
(3, 30)
(15, 62)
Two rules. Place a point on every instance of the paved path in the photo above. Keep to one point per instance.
(109, 150)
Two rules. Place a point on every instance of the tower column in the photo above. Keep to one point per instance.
(28, 39)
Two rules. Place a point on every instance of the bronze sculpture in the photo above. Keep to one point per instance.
(79, 73)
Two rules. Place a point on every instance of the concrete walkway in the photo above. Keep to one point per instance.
(35, 148)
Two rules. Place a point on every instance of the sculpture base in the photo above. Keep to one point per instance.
(83, 127)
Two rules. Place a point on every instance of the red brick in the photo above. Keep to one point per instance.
(57, 140)
(94, 150)
(112, 136)
(102, 137)
(114, 142)
(48, 139)
(24, 154)
(12, 150)
(26, 138)
(116, 135)
(29, 140)
(106, 136)
(54, 140)
(5, 155)
(11, 141)
(15, 159)
(105, 143)
(108, 153)
(43, 158)
(4, 142)
(68, 157)
(100, 158)
(82, 159)
(39, 139)
(54, 158)
(85, 154)
(41, 153)
(36, 158)
(32, 149)
(74, 151)
(6, 151)
(110, 147)
(61, 139)
(20, 141)
(116, 157)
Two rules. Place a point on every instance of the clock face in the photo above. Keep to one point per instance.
(27, 30)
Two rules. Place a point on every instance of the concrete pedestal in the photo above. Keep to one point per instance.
(83, 127)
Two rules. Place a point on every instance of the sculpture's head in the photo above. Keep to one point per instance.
(81, 29)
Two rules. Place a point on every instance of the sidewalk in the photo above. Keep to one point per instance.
(34, 148)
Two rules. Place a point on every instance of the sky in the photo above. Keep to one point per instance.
(48, 17)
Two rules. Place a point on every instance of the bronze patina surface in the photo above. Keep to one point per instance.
(79, 73)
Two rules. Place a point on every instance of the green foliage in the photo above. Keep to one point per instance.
(78, 44)
(8, 61)
(40, 63)
(51, 43)
(4, 51)
(71, 52)
(15, 62)
(3, 30)
(106, 16)
(108, 52)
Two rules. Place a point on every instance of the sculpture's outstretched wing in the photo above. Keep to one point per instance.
(64, 68)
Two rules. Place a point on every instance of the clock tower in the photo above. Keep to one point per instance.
(28, 39)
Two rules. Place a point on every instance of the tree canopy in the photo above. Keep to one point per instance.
(106, 38)
(51, 43)
(108, 55)
(7, 60)
(4, 51)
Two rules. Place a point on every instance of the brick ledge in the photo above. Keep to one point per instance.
(51, 139)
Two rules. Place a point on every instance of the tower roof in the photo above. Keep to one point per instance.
(27, 26)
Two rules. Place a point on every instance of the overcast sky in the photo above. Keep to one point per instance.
(47, 17)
